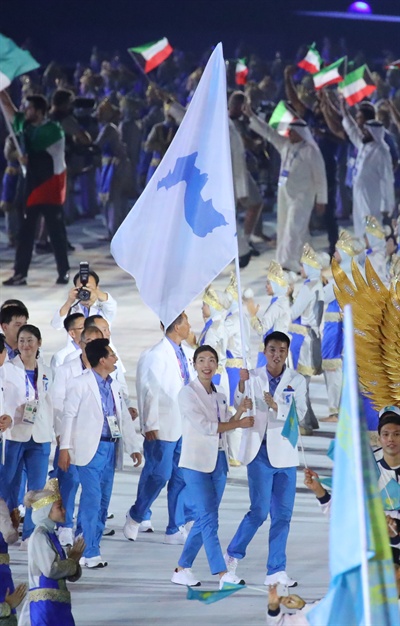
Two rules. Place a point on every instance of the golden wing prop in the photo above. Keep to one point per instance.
(376, 317)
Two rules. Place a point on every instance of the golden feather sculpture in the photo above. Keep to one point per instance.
(376, 316)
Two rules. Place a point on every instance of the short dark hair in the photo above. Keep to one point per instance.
(11, 311)
(13, 302)
(91, 273)
(91, 320)
(62, 96)
(204, 348)
(96, 350)
(30, 328)
(2, 343)
(276, 336)
(368, 110)
(176, 322)
(39, 102)
(91, 331)
(388, 418)
(70, 319)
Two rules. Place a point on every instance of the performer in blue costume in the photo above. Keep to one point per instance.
(277, 315)
(347, 247)
(215, 305)
(306, 312)
(48, 565)
(8, 535)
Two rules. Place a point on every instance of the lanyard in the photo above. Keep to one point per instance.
(218, 417)
(27, 381)
(105, 412)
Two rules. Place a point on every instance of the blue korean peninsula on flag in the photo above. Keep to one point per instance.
(181, 233)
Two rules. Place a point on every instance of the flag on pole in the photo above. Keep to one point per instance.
(208, 597)
(394, 65)
(181, 233)
(357, 85)
(281, 117)
(150, 55)
(362, 590)
(312, 61)
(241, 72)
(330, 75)
(290, 428)
(13, 62)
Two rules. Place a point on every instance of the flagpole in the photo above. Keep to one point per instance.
(140, 67)
(302, 446)
(248, 386)
(360, 495)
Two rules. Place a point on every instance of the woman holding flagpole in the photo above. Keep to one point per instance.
(204, 459)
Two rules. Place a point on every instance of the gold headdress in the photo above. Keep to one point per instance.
(376, 315)
(210, 297)
(309, 257)
(349, 244)
(276, 274)
(394, 270)
(232, 288)
(51, 493)
(373, 227)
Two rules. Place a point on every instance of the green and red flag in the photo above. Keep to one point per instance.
(241, 72)
(331, 74)
(151, 55)
(14, 61)
(312, 61)
(281, 117)
(357, 85)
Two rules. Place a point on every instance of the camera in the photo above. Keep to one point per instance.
(83, 294)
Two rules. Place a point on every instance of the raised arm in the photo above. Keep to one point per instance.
(291, 91)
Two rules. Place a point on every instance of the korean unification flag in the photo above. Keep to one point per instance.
(181, 233)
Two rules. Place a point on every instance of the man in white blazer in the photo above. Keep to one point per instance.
(73, 324)
(161, 373)
(270, 458)
(100, 302)
(94, 425)
(68, 481)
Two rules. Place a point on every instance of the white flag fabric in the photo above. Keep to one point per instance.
(181, 233)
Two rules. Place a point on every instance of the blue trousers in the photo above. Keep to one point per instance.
(161, 466)
(68, 483)
(205, 493)
(272, 491)
(97, 479)
(35, 457)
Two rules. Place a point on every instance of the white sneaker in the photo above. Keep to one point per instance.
(231, 563)
(65, 536)
(131, 528)
(93, 562)
(188, 526)
(146, 526)
(21, 510)
(23, 546)
(108, 532)
(281, 578)
(231, 579)
(178, 538)
(185, 577)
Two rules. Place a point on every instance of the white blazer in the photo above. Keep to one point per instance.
(82, 421)
(107, 309)
(158, 383)
(58, 391)
(200, 440)
(280, 451)
(15, 400)
(58, 358)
